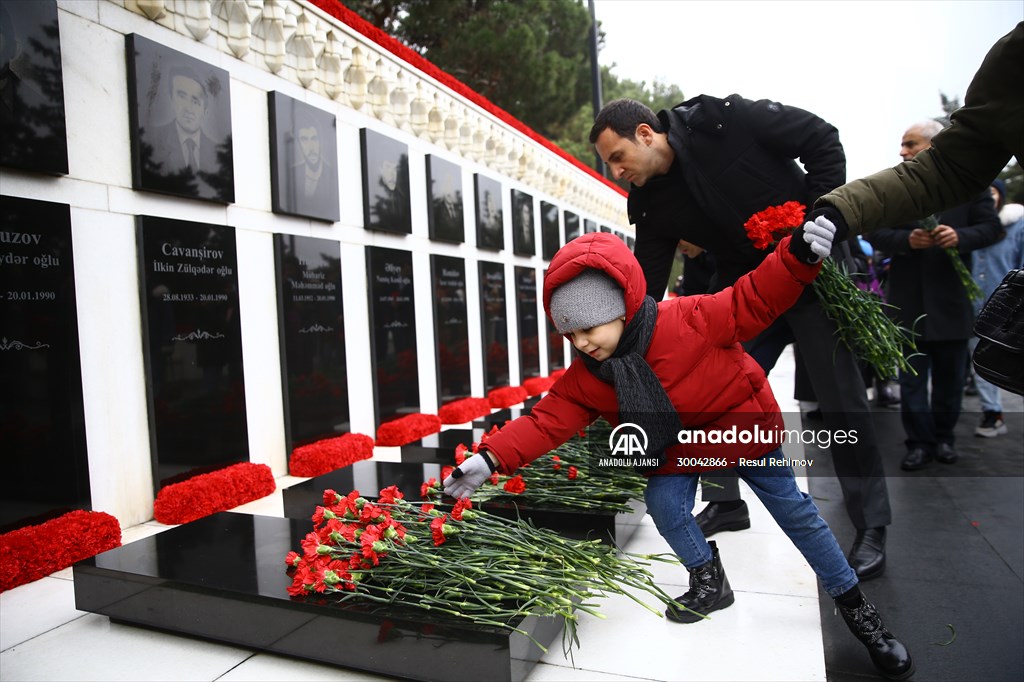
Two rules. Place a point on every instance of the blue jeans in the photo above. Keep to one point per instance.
(670, 503)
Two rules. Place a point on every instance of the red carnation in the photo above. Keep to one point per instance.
(573, 472)
(425, 488)
(437, 530)
(766, 227)
(391, 494)
(515, 485)
(460, 506)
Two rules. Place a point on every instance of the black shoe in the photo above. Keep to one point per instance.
(709, 591)
(867, 557)
(917, 458)
(887, 653)
(991, 425)
(885, 394)
(946, 454)
(714, 520)
(970, 387)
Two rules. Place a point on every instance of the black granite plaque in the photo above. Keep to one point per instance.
(396, 383)
(451, 328)
(556, 346)
(303, 159)
(490, 231)
(187, 580)
(494, 320)
(311, 318)
(180, 123)
(549, 237)
(526, 314)
(31, 88)
(523, 228)
(193, 347)
(385, 163)
(444, 192)
(572, 226)
(605, 228)
(45, 463)
(589, 226)
(630, 242)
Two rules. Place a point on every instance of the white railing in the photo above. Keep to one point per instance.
(296, 40)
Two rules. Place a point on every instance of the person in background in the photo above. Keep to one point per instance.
(930, 298)
(662, 367)
(698, 172)
(989, 266)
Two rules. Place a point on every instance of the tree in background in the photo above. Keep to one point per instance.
(1012, 175)
(529, 57)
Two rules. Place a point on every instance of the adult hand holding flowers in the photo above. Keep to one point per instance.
(469, 475)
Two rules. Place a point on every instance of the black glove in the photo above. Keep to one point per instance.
(835, 217)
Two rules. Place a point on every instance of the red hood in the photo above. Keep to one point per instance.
(602, 251)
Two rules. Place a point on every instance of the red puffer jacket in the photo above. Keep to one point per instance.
(694, 351)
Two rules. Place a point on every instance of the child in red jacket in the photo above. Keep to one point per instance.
(671, 370)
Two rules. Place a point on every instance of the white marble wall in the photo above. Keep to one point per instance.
(294, 48)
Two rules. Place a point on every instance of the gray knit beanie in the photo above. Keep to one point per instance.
(590, 299)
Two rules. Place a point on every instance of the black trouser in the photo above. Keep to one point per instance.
(842, 398)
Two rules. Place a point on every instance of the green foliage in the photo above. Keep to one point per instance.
(529, 57)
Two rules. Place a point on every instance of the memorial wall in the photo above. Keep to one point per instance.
(231, 229)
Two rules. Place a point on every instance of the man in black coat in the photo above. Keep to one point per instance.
(697, 173)
(924, 282)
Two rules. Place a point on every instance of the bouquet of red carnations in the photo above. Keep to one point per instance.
(461, 563)
(568, 476)
(862, 323)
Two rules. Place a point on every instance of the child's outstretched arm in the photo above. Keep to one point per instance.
(551, 422)
(744, 310)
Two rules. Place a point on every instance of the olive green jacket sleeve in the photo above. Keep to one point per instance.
(964, 158)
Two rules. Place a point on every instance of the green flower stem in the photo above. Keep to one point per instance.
(862, 323)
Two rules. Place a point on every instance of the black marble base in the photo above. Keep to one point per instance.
(499, 417)
(440, 447)
(610, 527)
(368, 477)
(222, 578)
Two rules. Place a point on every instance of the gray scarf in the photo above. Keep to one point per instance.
(642, 398)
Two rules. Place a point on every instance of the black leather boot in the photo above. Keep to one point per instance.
(887, 653)
(713, 519)
(867, 556)
(709, 591)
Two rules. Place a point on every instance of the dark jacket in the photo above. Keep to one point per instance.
(964, 158)
(734, 157)
(924, 281)
(694, 352)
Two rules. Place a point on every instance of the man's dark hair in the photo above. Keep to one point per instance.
(185, 72)
(623, 116)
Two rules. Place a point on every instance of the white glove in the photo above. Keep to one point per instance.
(819, 235)
(468, 476)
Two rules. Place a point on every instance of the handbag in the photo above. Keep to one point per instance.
(999, 355)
